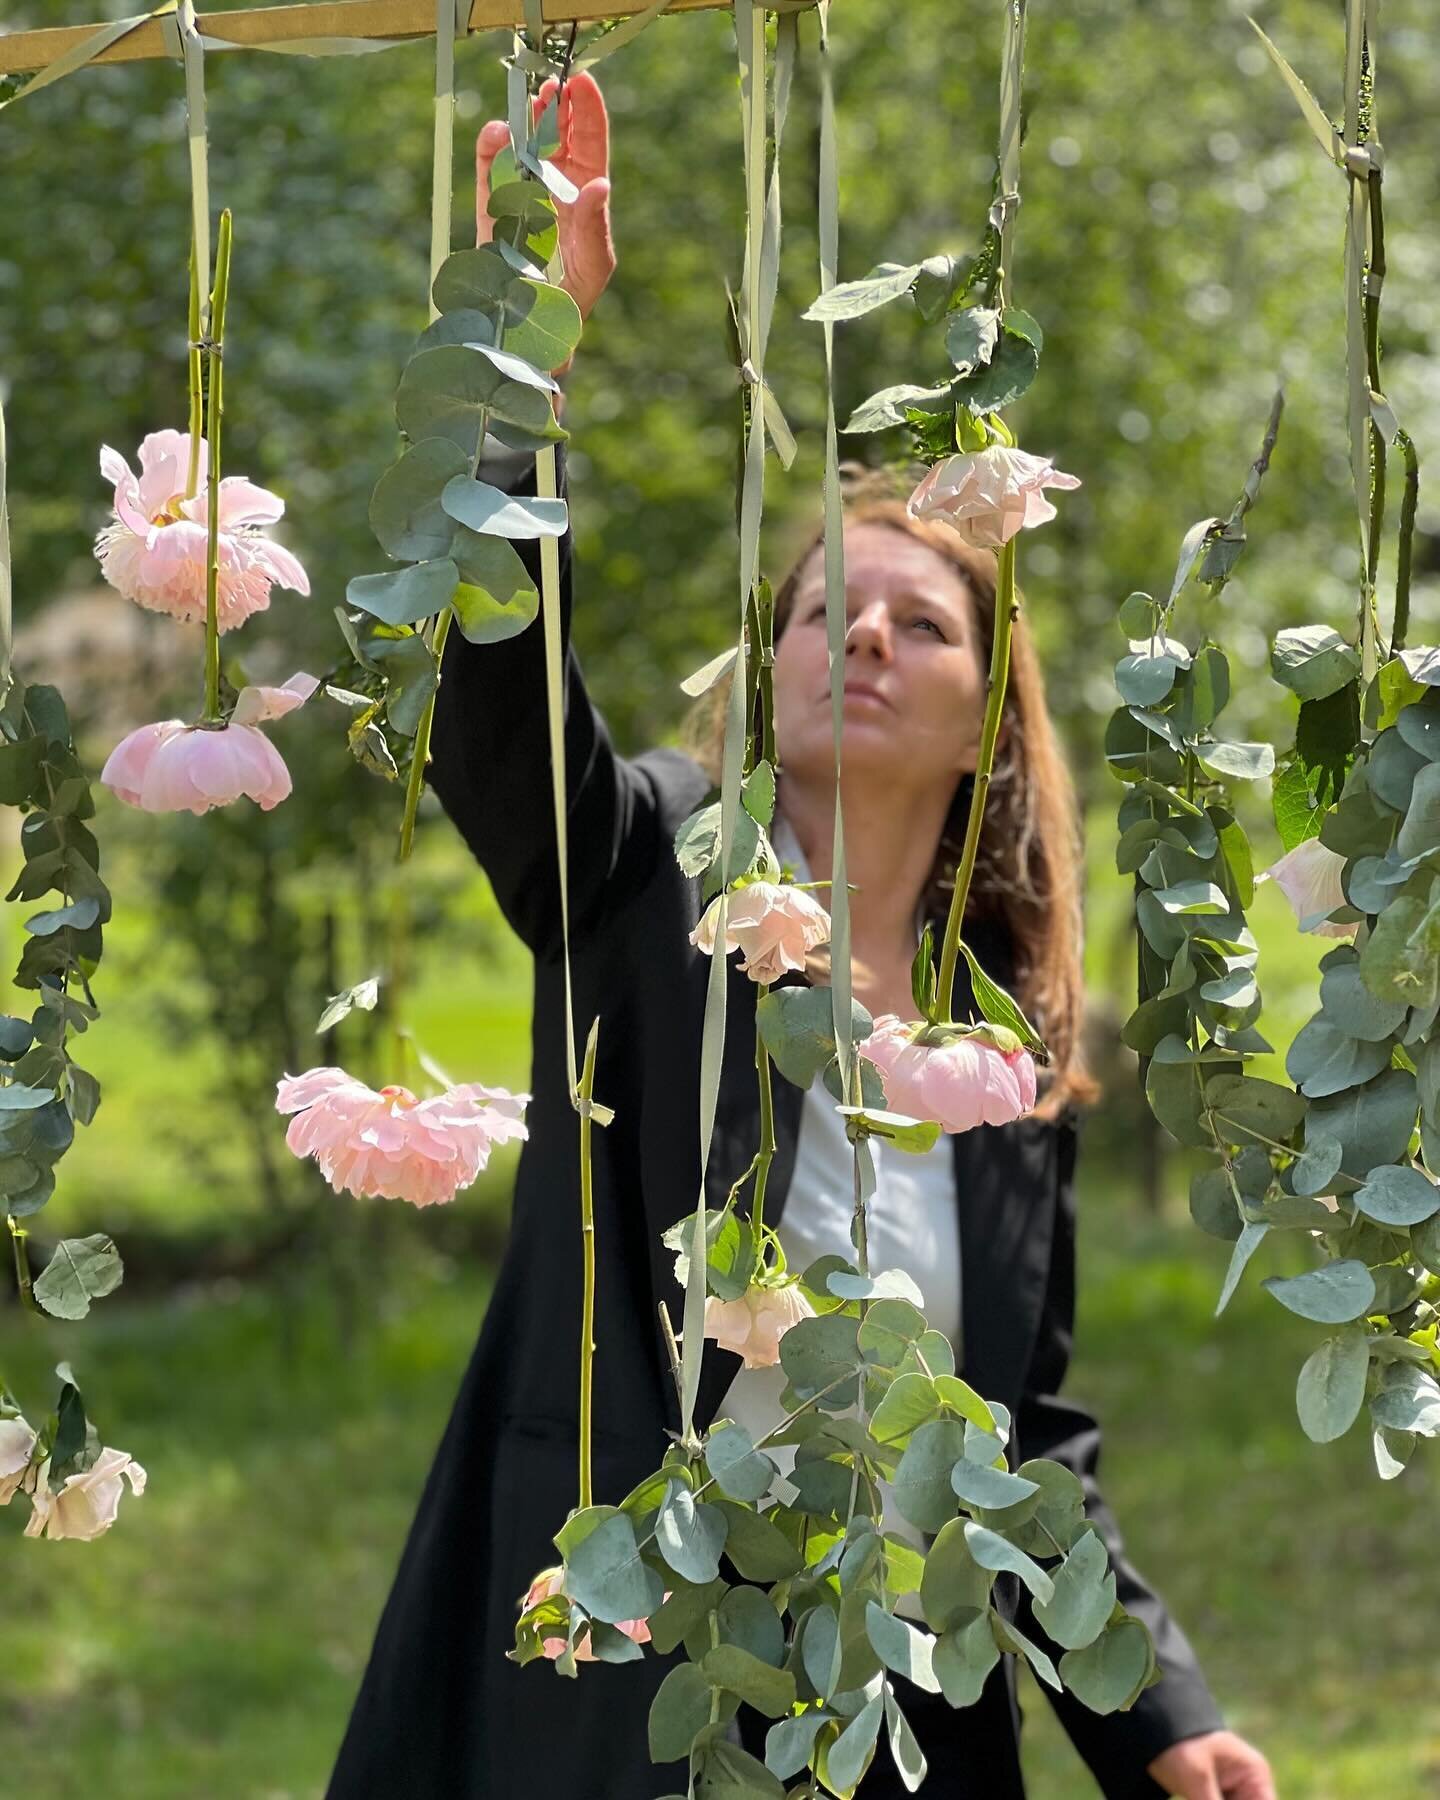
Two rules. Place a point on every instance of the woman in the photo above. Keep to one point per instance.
(441, 1713)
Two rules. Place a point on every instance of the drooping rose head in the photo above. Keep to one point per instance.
(548, 1583)
(989, 495)
(774, 924)
(174, 767)
(753, 1325)
(156, 549)
(17, 1446)
(390, 1144)
(88, 1502)
(1309, 878)
(968, 1082)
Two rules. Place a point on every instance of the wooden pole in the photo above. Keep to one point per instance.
(258, 26)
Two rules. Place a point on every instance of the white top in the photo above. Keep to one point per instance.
(912, 1224)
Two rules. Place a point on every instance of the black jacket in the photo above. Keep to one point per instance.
(441, 1714)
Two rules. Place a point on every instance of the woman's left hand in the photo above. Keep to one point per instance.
(1217, 1765)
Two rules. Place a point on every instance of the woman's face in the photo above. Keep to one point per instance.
(914, 666)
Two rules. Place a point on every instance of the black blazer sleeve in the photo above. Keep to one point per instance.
(490, 759)
(1119, 1746)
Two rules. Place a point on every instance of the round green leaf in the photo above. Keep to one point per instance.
(1333, 1295)
(454, 390)
(1395, 1194)
(497, 597)
(405, 596)
(494, 513)
(405, 511)
(1331, 1388)
(1108, 1674)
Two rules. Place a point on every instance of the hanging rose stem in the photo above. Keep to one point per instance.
(766, 1152)
(18, 1235)
(585, 1089)
(215, 351)
(192, 479)
(1007, 609)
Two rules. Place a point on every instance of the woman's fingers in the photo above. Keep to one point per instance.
(494, 136)
(583, 154)
(584, 130)
(586, 245)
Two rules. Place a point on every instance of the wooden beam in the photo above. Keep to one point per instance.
(24, 51)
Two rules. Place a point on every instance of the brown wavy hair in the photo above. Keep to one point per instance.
(1029, 870)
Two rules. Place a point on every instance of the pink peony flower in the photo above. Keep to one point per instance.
(968, 1082)
(774, 924)
(17, 1446)
(87, 1503)
(390, 1144)
(988, 495)
(753, 1325)
(549, 1582)
(155, 552)
(175, 767)
(1309, 878)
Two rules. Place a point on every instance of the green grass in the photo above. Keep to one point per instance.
(212, 1642)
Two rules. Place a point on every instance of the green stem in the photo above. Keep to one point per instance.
(766, 1152)
(415, 785)
(192, 479)
(585, 1088)
(1374, 279)
(1007, 609)
(1408, 505)
(215, 352)
(22, 1264)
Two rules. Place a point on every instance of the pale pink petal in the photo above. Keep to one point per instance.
(256, 703)
(388, 1143)
(282, 566)
(126, 765)
(243, 503)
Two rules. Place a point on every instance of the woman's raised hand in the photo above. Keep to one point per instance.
(586, 247)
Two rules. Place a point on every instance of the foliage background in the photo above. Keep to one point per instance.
(283, 1364)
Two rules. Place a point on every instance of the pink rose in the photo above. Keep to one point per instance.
(390, 1144)
(548, 1583)
(775, 924)
(1309, 878)
(156, 550)
(174, 767)
(88, 1502)
(753, 1325)
(970, 1081)
(988, 495)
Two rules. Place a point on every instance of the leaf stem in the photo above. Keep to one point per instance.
(1007, 608)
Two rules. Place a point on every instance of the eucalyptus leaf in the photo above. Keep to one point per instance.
(1084, 1595)
(1333, 1295)
(1108, 1674)
(1331, 1388)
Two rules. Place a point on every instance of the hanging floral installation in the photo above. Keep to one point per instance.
(1346, 1160)
(826, 1606)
